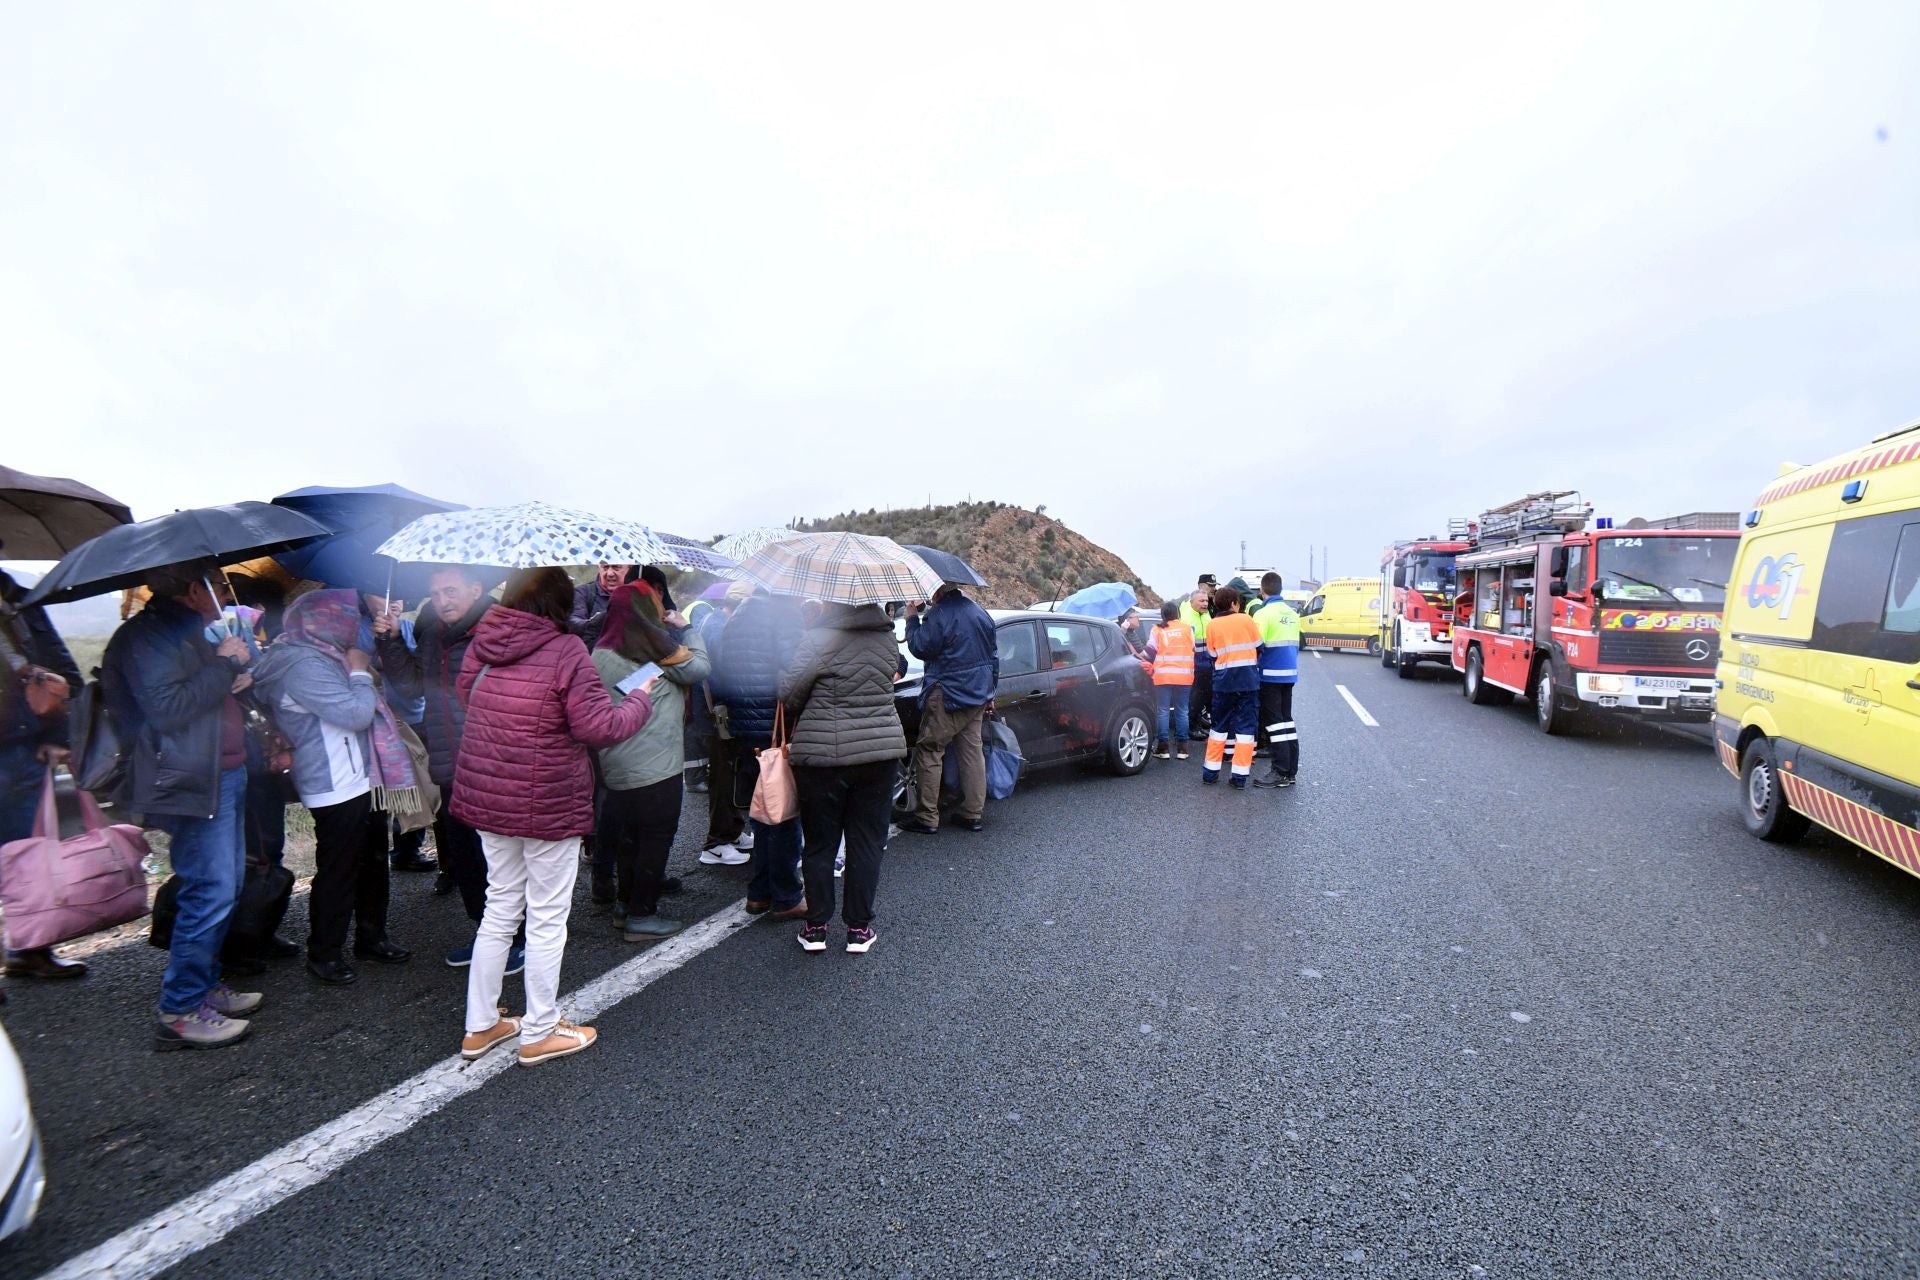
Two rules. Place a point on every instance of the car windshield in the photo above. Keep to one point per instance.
(1666, 570)
(1430, 573)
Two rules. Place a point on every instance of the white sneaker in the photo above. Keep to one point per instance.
(724, 855)
(745, 840)
(840, 861)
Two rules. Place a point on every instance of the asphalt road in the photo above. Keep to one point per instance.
(1469, 1001)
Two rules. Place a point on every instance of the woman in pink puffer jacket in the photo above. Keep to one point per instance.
(535, 705)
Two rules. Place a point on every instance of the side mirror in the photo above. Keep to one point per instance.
(1558, 587)
(1557, 564)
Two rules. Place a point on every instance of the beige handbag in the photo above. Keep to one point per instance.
(775, 799)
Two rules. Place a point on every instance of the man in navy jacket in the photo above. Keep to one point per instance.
(957, 641)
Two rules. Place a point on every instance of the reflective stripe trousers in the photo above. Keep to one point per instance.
(1278, 729)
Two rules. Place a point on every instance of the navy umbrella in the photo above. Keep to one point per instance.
(124, 556)
(358, 520)
(949, 566)
(44, 517)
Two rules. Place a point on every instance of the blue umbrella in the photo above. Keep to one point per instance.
(950, 567)
(360, 519)
(1101, 600)
(690, 553)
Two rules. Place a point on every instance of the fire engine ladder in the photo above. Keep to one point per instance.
(1538, 515)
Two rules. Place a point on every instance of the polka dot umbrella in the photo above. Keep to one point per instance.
(530, 535)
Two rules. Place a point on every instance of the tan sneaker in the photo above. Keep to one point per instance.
(476, 1043)
(566, 1039)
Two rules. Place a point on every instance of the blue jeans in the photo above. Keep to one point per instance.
(21, 778)
(1171, 701)
(776, 864)
(209, 855)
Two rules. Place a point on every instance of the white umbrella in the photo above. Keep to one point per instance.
(738, 546)
(530, 535)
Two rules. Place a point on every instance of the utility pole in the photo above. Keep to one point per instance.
(1243, 554)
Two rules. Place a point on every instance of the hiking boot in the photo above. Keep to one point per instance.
(1163, 752)
(813, 938)
(565, 1039)
(475, 1044)
(204, 1028)
(797, 911)
(602, 887)
(40, 962)
(1181, 754)
(651, 928)
(860, 941)
(1286, 780)
(228, 1003)
(1239, 782)
(1210, 777)
(971, 824)
(724, 855)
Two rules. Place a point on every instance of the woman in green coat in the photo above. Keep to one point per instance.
(643, 649)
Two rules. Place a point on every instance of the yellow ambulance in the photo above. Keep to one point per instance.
(1343, 614)
(1817, 704)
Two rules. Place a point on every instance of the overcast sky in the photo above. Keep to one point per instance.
(1293, 274)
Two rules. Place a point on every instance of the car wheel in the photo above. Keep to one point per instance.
(1766, 811)
(906, 789)
(1552, 718)
(1129, 741)
(1475, 686)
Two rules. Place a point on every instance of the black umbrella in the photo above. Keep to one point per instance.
(44, 517)
(949, 566)
(123, 557)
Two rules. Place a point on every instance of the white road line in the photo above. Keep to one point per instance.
(204, 1218)
(1358, 710)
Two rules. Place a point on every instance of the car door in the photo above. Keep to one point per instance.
(1079, 710)
(1024, 697)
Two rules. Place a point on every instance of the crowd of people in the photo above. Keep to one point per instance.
(537, 726)
(533, 727)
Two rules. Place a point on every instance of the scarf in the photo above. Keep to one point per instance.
(328, 622)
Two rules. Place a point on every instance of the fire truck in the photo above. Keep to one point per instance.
(1417, 586)
(1582, 621)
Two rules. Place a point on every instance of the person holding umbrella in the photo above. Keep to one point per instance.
(958, 642)
(172, 693)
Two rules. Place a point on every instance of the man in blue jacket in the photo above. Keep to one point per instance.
(957, 641)
(171, 692)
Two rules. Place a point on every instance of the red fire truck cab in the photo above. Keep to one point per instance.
(1603, 620)
(1417, 587)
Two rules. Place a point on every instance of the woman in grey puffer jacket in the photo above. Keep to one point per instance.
(847, 748)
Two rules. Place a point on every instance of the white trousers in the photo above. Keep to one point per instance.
(531, 879)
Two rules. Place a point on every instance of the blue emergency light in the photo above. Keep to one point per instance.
(1753, 517)
(1854, 491)
(1604, 522)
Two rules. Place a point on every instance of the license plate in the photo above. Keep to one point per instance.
(1662, 684)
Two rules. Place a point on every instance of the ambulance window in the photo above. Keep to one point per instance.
(1901, 623)
(1857, 585)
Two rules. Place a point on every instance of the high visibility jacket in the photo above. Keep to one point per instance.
(1197, 623)
(1234, 641)
(1279, 642)
(1172, 654)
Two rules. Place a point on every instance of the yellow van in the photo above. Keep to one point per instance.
(1343, 614)
(1817, 706)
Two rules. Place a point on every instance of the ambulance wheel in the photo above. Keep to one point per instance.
(1766, 811)
(1552, 718)
(1129, 741)
(1373, 644)
(1475, 686)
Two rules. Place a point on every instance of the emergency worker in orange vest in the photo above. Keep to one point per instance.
(1234, 640)
(1170, 649)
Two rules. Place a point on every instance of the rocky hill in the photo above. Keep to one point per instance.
(1023, 556)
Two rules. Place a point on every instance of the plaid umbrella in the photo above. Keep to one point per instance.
(691, 554)
(847, 568)
(740, 545)
(531, 535)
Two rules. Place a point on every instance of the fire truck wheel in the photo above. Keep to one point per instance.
(1390, 654)
(1552, 718)
(1766, 811)
(1475, 686)
(1403, 665)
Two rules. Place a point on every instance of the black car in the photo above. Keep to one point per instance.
(1069, 689)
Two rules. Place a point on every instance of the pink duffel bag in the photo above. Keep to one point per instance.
(54, 889)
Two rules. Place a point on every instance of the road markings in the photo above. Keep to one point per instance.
(209, 1215)
(1358, 710)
